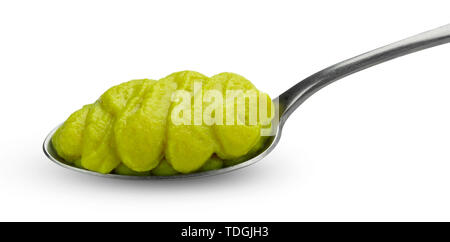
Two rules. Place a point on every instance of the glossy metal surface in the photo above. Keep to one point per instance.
(296, 95)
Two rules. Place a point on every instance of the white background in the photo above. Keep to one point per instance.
(372, 147)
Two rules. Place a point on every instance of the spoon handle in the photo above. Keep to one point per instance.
(296, 95)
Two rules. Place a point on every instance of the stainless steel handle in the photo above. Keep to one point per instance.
(296, 95)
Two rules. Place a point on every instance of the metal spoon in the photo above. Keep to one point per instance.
(296, 95)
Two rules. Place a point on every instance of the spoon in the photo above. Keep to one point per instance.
(288, 101)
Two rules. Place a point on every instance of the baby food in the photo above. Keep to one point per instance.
(183, 123)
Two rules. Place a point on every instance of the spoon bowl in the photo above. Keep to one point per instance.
(268, 147)
(288, 101)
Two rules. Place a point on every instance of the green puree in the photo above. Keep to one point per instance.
(134, 128)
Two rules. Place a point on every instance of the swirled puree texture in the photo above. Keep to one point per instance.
(134, 128)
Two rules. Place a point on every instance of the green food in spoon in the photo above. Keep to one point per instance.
(179, 124)
(164, 169)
